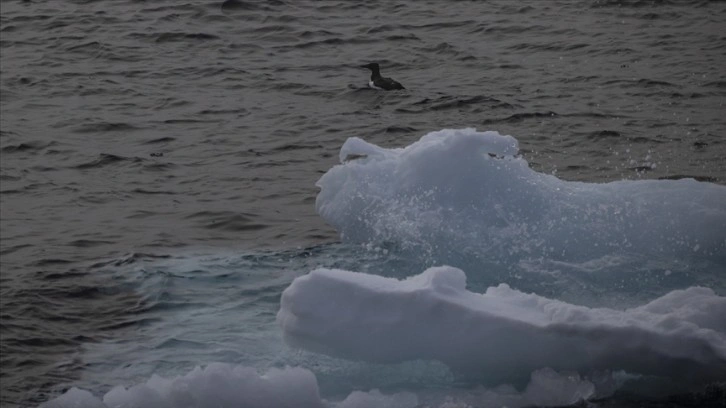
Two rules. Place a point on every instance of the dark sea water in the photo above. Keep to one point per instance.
(189, 136)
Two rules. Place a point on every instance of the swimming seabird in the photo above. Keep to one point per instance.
(379, 82)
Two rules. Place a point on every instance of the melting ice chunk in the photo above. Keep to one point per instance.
(502, 334)
(463, 193)
(227, 386)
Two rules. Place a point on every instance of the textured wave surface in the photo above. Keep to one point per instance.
(135, 133)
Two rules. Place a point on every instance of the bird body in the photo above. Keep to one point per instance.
(379, 82)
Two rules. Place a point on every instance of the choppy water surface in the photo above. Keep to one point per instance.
(148, 133)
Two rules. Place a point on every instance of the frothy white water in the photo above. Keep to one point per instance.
(465, 195)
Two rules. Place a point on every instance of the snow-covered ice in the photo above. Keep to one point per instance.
(501, 335)
(227, 386)
(466, 198)
(463, 194)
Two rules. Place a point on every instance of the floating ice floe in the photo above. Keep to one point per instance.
(227, 386)
(466, 194)
(501, 335)
(467, 198)
(216, 385)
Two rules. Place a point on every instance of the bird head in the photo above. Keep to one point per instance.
(373, 66)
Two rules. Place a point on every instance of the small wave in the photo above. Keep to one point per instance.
(609, 134)
(510, 66)
(157, 166)
(14, 248)
(30, 17)
(50, 261)
(642, 168)
(581, 78)
(121, 323)
(474, 100)
(88, 243)
(128, 259)
(444, 24)
(329, 42)
(152, 192)
(141, 214)
(402, 37)
(399, 129)
(42, 169)
(455, 102)
(652, 82)
(643, 82)
(172, 37)
(695, 177)
(508, 29)
(275, 29)
(593, 115)
(165, 139)
(105, 127)
(296, 146)
(383, 28)
(94, 45)
(443, 48)
(716, 84)
(316, 33)
(31, 146)
(518, 117)
(236, 5)
(183, 121)
(105, 159)
(222, 111)
(63, 275)
(562, 46)
(603, 134)
(629, 3)
(227, 221)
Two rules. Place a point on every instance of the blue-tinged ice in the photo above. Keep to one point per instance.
(556, 291)
(502, 335)
(463, 196)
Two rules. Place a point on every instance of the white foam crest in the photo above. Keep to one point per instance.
(501, 335)
(465, 193)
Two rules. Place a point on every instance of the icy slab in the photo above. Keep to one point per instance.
(227, 386)
(374, 398)
(463, 193)
(501, 335)
(215, 386)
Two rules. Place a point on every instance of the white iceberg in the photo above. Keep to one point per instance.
(214, 386)
(466, 198)
(464, 194)
(221, 385)
(501, 335)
